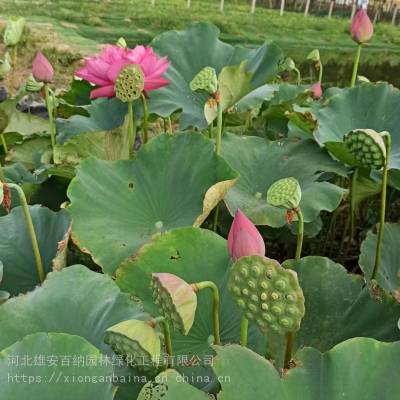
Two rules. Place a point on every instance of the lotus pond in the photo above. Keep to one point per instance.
(196, 220)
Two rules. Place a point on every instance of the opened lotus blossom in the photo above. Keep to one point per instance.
(103, 70)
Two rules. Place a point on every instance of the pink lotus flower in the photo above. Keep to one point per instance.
(42, 70)
(316, 90)
(361, 27)
(244, 238)
(103, 70)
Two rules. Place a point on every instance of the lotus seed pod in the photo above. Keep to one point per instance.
(138, 343)
(3, 120)
(129, 85)
(206, 80)
(178, 298)
(277, 300)
(367, 147)
(284, 193)
(13, 32)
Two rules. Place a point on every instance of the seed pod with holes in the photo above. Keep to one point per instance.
(285, 193)
(176, 300)
(268, 294)
(367, 147)
(129, 85)
(138, 342)
(206, 80)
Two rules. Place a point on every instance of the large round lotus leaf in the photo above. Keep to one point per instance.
(261, 163)
(359, 368)
(371, 106)
(117, 206)
(388, 276)
(195, 255)
(44, 366)
(16, 253)
(189, 52)
(339, 306)
(75, 301)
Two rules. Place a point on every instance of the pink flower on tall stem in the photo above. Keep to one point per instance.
(361, 27)
(244, 238)
(42, 70)
(103, 70)
(316, 90)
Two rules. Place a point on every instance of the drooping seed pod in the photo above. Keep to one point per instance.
(13, 32)
(138, 342)
(176, 300)
(206, 80)
(285, 193)
(129, 85)
(367, 147)
(267, 293)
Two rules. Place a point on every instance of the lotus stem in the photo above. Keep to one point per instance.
(14, 63)
(50, 111)
(2, 177)
(321, 69)
(167, 336)
(145, 118)
(219, 128)
(211, 285)
(170, 130)
(31, 230)
(298, 75)
(289, 350)
(243, 331)
(355, 66)
(383, 209)
(216, 215)
(300, 234)
(4, 143)
(131, 129)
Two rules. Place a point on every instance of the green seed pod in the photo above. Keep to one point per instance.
(13, 32)
(280, 308)
(206, 80)
(5, 66)
(179, 300)
(367, 147)
(129, 85)
(4, 120)
(138, 343)
(285, 193)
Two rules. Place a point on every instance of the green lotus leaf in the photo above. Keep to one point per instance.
(3, 294)
(246, 375)
(388, 276)
(50, 371)
(26, 124)
(105, 145)
(367, 106)
(17, 173)
(256, 97)
(340, 307)
(140, 199)
(32, 153)
(261, 163)
(52, 231)
(76, 301)
(189, 52)
(194, 255)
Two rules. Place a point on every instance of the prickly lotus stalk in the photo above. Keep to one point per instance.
(130, 83)
(367, 147)
(268, 294)
(285, 193)
(176, 300)
(138, 342)
(206, 80)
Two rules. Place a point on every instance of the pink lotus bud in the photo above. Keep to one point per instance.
(244, 238)
(42, 70)
(316, 90)
(361, 27)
